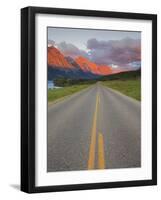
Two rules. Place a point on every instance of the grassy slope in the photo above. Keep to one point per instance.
(65, 91)
(130, 88)
(127, 82)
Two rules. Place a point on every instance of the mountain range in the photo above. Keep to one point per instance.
(60, 65)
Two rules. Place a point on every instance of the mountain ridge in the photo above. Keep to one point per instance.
(56, 58)
(79, 67)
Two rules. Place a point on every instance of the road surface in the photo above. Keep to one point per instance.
(97, 128)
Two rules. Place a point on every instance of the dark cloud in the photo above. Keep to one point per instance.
(118, 52)
(69, 49)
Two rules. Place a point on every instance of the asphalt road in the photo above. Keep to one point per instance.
(97, 128)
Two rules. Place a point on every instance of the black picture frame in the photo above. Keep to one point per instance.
(28, 98)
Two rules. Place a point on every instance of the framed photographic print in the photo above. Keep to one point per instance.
(88, 99)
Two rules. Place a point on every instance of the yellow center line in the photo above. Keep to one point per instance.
(91, 159)
(101, 158)
(98, 99)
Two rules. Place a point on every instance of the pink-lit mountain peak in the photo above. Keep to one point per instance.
(57, 59)
(87, 65)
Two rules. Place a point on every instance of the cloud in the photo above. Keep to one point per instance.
(136, 64)
(114, 66)
(116, 52)
(51, 43)
(69, 49)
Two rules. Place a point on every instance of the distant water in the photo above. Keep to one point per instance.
(50, 85)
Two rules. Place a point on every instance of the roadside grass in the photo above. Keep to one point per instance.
(130, 88)
(58, 93)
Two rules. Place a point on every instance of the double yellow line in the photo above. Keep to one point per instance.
(92, 152)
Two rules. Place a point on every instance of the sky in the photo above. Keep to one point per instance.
(118, 49)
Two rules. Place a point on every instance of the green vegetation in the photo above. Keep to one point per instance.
(65, 91)
(129, 75)
(62, 81)
(130, 88)
(126, 82)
